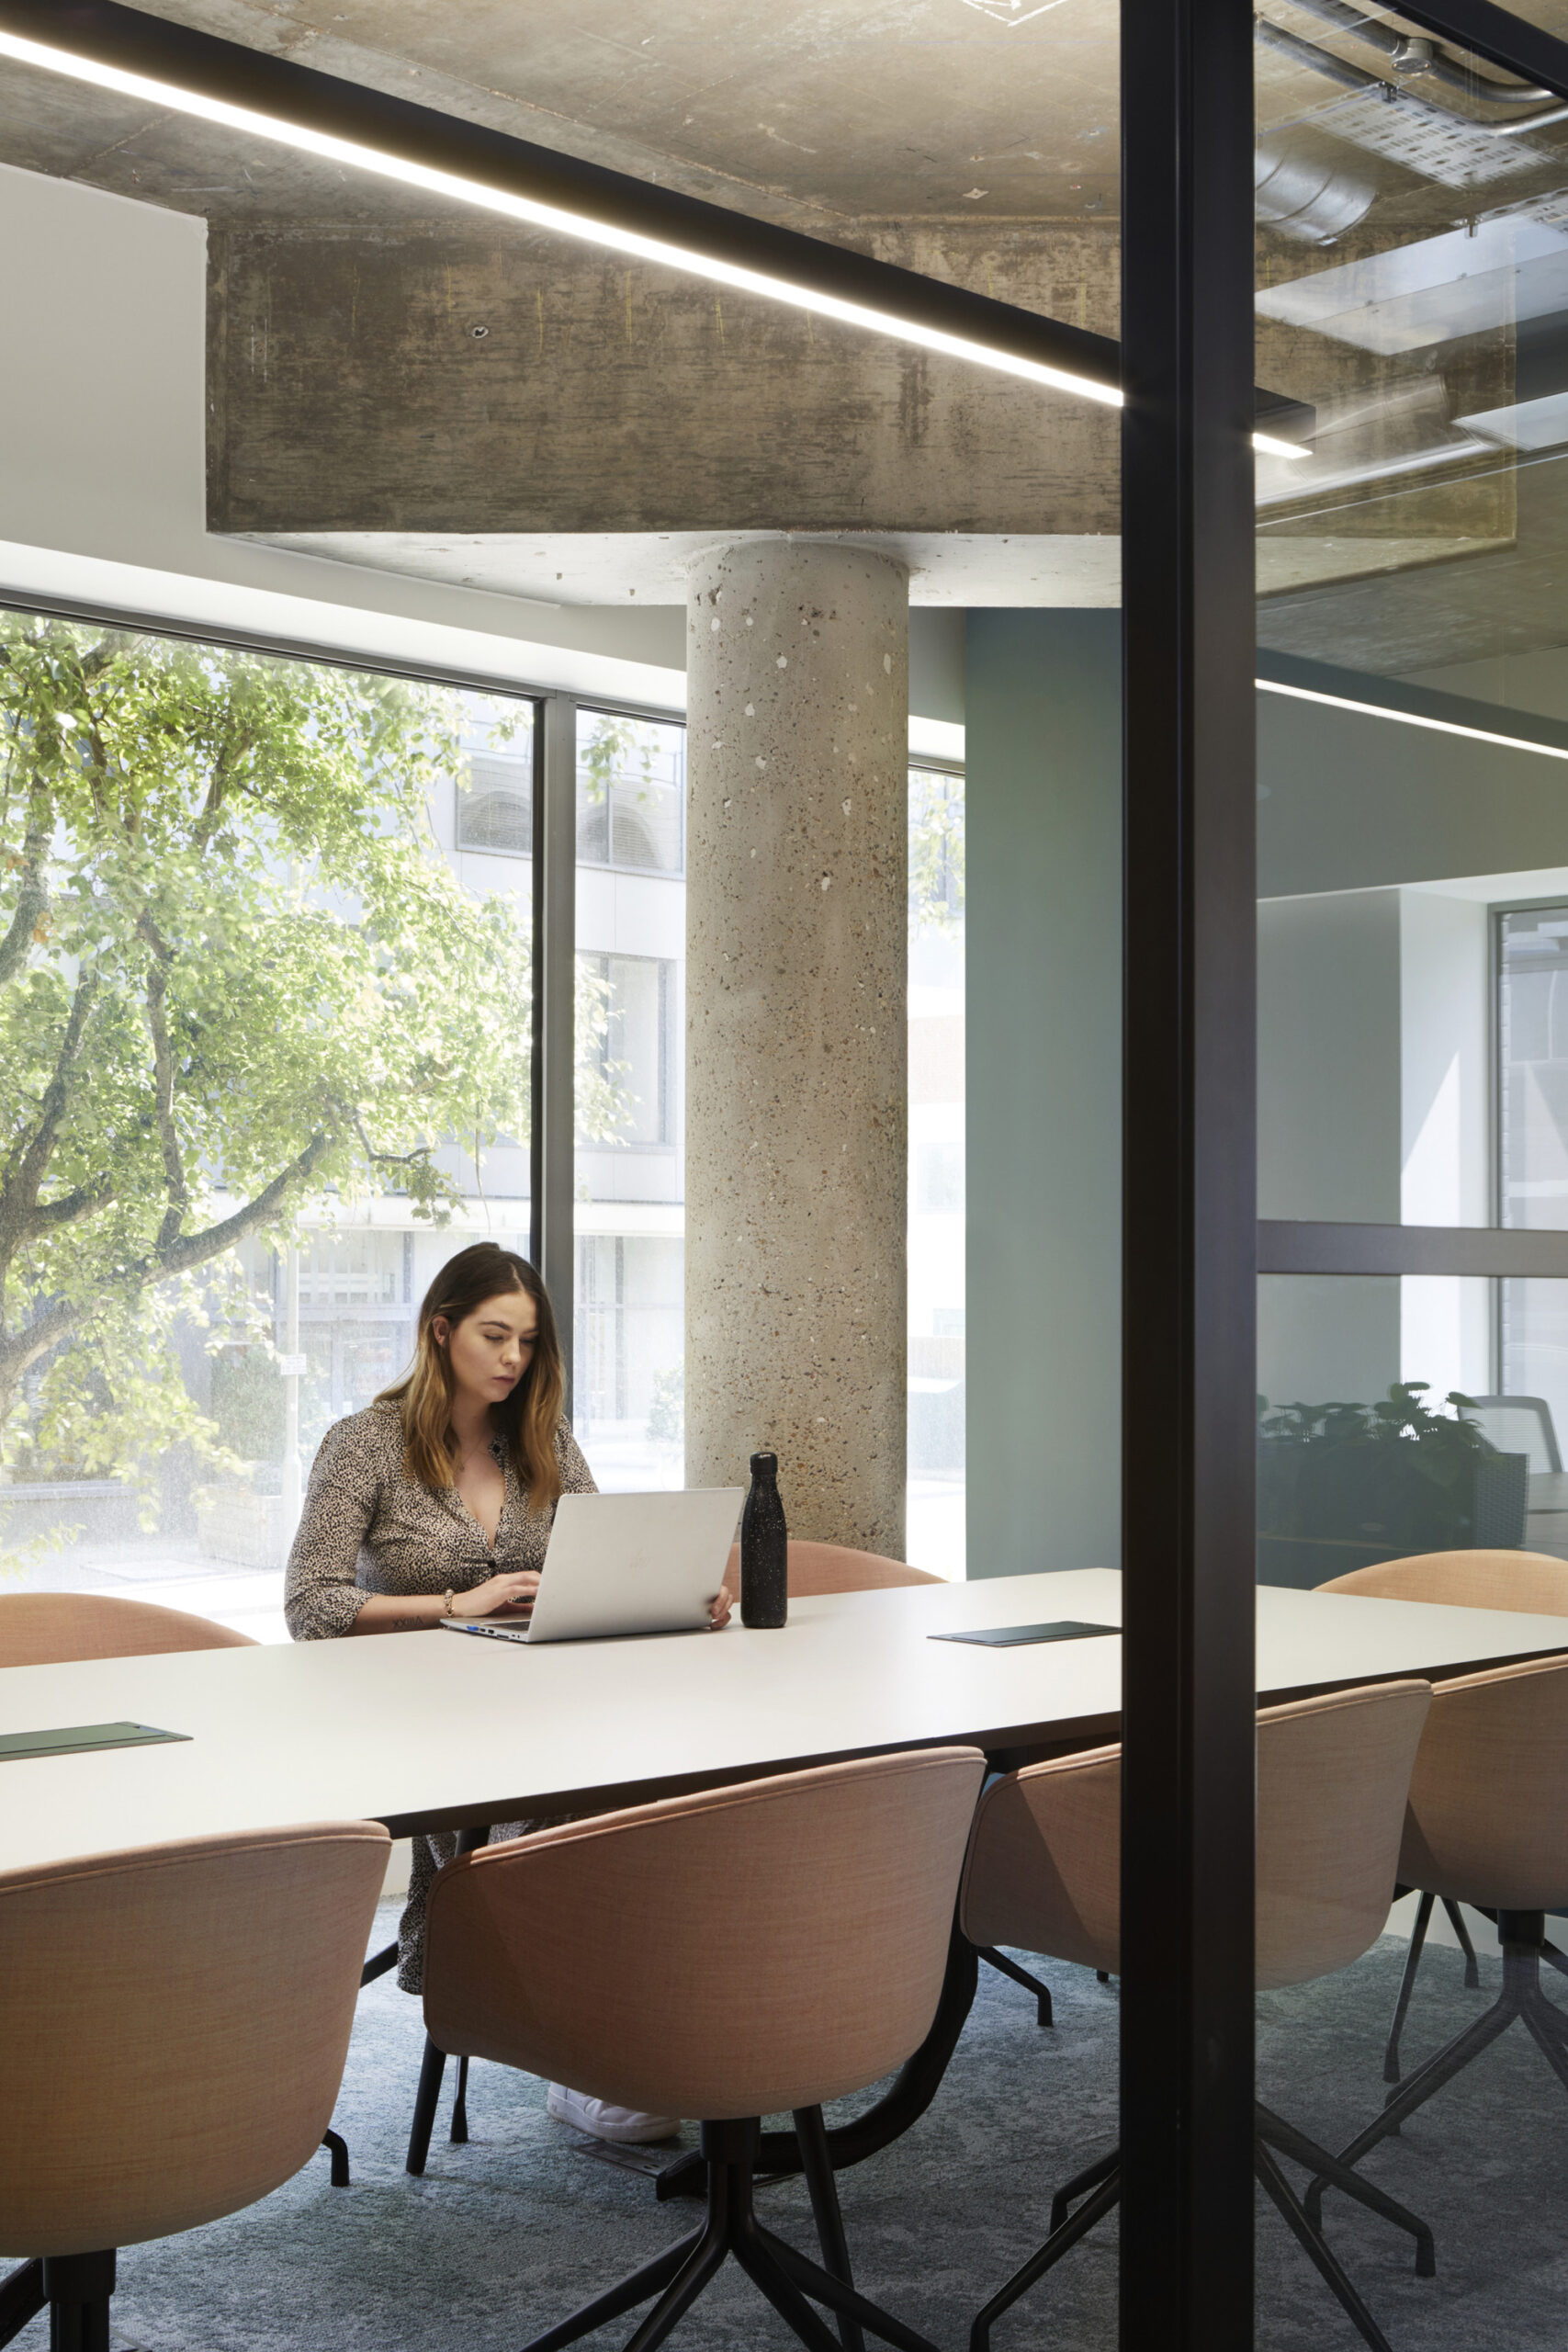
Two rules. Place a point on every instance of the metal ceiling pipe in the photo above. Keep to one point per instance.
(1350, 78)
(1320, 60)
(1418, 55)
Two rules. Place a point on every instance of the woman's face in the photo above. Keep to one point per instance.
(489, 1349)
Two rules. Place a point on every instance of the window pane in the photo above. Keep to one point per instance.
(1532, 1066)
(629, 1317)
(292, 1018)
(1409, 293)
(1380, 1434)
(631, 783)
(935, 1523)
(496, 811)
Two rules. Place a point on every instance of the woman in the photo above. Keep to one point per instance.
(445, 1488)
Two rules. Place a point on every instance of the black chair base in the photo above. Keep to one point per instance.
(1549, 1952)
(784, 2276)
(1006, 1967)
(77, 2287)
(1523, 1936)
(21, 2299)
(1099, 2186)
(1412, 1961)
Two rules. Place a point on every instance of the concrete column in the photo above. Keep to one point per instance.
(796, 1033)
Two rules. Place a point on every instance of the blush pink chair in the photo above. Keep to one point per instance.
(60, 1628)
(1043, 1872)
(1488, 1825)
(175, 2021)
(727, 1956)
(55, 1628)
(1534, 1583)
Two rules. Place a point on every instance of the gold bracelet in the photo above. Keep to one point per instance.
(446, 1608)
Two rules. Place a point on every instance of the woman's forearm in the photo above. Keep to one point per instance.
(392, 1612)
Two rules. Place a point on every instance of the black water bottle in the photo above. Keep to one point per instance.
(764, 1549)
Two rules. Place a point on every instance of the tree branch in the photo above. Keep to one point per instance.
(163, 1083)
(21, 1350)
(18, 1196)
(389, 1159)
(32, 903)
(48, 1217)
(190, 1250)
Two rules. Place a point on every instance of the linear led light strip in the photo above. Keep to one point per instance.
(1412, 718)
(567, 224)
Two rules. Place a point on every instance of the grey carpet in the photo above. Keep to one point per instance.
(507, 2234)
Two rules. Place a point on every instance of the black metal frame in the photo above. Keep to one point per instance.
(1189, 1264)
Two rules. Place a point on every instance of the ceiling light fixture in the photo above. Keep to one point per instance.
(535, 213)
(1413, 718)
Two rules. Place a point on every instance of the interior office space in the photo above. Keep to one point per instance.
(790, 777)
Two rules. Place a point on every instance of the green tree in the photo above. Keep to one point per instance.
(235, 973)
(936, 849)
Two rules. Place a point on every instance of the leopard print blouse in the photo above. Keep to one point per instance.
(369, 1527)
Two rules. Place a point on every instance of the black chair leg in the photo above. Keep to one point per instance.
(1060, 2242)
(1275, 2132)
(1006, 1967)
(817, 2165)
(1317, 2245)
(21, 2299)
(781, 2272)
(847, 2301)
(460, 2105)
(1456, 1921)
(1091, 2177)
(651, 2279)
(78, 2286)
(433, 2066)
(338, 2148)
(1406, 1987)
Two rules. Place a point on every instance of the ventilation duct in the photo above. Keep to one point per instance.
(1304, 195)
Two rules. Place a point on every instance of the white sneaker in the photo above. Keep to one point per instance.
(603, 2121)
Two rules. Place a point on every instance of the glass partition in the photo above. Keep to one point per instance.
(1413, 879)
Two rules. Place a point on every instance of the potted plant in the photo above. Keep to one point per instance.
(1340, 1486)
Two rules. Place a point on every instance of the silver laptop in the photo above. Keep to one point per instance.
(629, 1564)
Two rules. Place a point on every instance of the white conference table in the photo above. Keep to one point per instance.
(441, 1730)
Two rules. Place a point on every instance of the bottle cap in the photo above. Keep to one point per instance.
(765, 1466)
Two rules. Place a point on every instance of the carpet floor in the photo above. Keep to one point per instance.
(507, 2234)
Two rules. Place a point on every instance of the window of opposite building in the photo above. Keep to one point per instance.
(631, 791)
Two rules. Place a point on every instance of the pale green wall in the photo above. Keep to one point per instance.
(1043, 1115)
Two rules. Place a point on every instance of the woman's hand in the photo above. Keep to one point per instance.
(723, 1603)
(505, 1596)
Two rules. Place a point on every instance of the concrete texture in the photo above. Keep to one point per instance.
(1043, 1110)
(455, 380)
(796, 1031)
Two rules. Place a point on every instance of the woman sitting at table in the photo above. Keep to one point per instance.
(444, 1492)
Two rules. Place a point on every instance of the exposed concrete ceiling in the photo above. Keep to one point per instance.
(817, 113)
(946, 567)
(649, 567)
(951, 117)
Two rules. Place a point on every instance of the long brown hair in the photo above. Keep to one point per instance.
(528, 1419)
